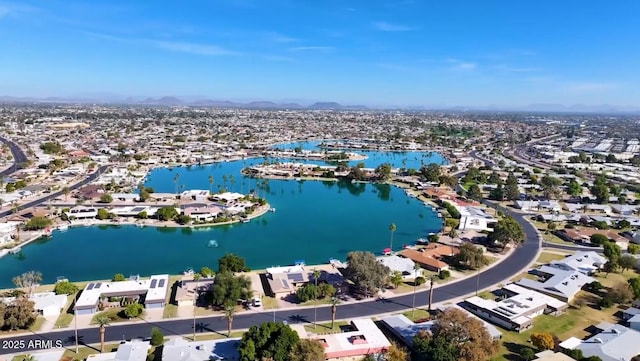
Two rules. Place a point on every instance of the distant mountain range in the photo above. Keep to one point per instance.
(203, 102)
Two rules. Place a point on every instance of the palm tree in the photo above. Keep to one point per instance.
(65, 191)
(396, 279)
(175, 181)
(102, 321)
(334, 308)
(232, 181)
(392, 228)
(316, 275)
(224, 181)
(416, 268)
(432, 279)
(210, 184)
(229, 312)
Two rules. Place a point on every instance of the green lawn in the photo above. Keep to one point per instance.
(269, 303)
(35, 326)
(170, 311)
(614, 278)
(215, 336)
(523, 275)
(325, 327)
(418, 314)
(84, 352)
(64, 320)
(114, 314)
(546, 257)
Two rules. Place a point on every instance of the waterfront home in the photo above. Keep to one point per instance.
(153, 291)
(132, 211)
(202, 213)
(611, 343)
(556, 282)
(125, 197)
(127, 351)
(475, 218)
(404, 265)
(179, 349)
(189, 289)
(197, 195)
(284, 281)
(82, 212)
(359, 338)
(227, 197)
(517, 309)
(432, 256)
(45, 303)
(89, 192)
(581, 261)
(7, 230)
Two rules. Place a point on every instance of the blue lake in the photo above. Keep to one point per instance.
(314, 221)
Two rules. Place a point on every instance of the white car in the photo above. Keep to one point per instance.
(257, 302)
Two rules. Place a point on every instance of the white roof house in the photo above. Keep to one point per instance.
(49, 355)
(128, 351)
(228, 196)
(400, 264)
(557, 282)
(613, 343)
(155, 289)
(581, 261)
(363, 337)
(46, 303)
(179, 349)
(518, 310)
(475, 219)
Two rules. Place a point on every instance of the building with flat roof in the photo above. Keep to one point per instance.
(127, 351)
(152, 293)
(361, 337)
(179, 349)
(475, 218)
(612, 343)
(556, 282)
(581, 261)
(517, 310)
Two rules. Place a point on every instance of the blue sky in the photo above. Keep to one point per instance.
(372, 52)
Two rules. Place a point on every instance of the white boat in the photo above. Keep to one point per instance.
(63, 227)
(212, 243)
(15, 250)
(245, 220)
(272, 209)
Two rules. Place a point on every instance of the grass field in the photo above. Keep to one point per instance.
(418, 314)
(170, 311)
(325, 327)
(64, 320)
(547, 257)
(269, 303)
(114, 314)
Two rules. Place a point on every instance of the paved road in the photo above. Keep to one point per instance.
(18, 157)
(54, 195)
(506, 269)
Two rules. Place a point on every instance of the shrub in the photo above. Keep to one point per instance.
(65, 288)
(133, 310)
(157, 338)
(527, 353)
(605, 302)
(444, 274)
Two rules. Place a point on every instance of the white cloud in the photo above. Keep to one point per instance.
(465, 66)
(193, 48)
(511, 69)
(8, 9)
(385, 26)
(280, 38)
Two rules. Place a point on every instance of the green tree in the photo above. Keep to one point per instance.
(600, 189)
(142, 215)
(396, 279)
(511, 190)
(506, 231)
(392, 229)
(334, 309)
(206, 272)
(365, 271)
(106, 198)
(183, 219)
(474, 192)
(166, 213)
(574, 188)
(471, 256)
(231, 263)
(307, 292)
(270, 340)
(103, 214)
(228, 312)
(307, 350)
(633, 248)
(627, 262)
(37, 223)
(598, 239)
(383, 171)
(396, 353)
(550, 186)
(228, 289)
(20, 314)
(431, 172)
(611, 251)
(133, 310)
(102, 322)
(527, 353)
(157, 338)
(118, 277)
(497, 194)
(620, 293)
(65, 288)
(634, 284)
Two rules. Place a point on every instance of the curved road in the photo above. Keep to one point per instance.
(520, 258)
(512, 265)
(18, 157)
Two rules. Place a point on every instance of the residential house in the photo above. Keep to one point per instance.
(475, 218)
(197, 195)
(8, 230)
(189, 289)
(179, 349)
(581, 261)
(284, 281)
(531, 205)
(359, 338)
(400, 264)
(550, 355)
(556, 282)
(45, 303)
(204, 213)
(517, 309)
(127, 351)
(611, 343)
(432, 256)
(83, 212)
